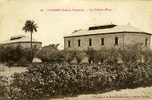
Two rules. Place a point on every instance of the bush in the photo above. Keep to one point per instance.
(139, 74)
(69, 56)
(51, 54)
(49, 80)
(91, 53)
(132, 53)
(108, 56)
(16, 55)
(3, 88)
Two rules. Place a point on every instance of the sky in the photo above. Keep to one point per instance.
(56, 18)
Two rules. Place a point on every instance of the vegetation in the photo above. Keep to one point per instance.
(30, 26)
(108, 69)
(70, 56)
(51, 54)
(50, 80)
(3, 88)
(16, 55)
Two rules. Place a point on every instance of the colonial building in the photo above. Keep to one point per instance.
(107, 36)
(21, 40)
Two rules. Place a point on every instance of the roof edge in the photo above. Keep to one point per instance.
(108, 33)
(20, 42)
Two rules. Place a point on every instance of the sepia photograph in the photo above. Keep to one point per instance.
(75, 49)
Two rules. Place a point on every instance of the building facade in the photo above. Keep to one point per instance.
(106, 36)
(21, 40)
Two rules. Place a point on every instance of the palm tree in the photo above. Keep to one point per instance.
(30, 26)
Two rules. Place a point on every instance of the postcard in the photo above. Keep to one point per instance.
(75, 50)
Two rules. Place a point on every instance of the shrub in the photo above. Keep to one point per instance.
(51, 54)
(108, 56)
(131, 53)
(139, 74)
(16, 55)
(69, 56)
(91, 53)
(3, 88)
(50, 80)
(147, 55)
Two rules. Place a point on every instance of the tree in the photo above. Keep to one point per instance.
(51, 54)
(30, 26)
(91, 53)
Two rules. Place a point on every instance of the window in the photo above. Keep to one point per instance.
(146, 42)
(69, 43)
(90, 42)
(79, 43)
(116, 40)
(102, 41)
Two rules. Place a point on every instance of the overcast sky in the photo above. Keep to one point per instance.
(53, 25)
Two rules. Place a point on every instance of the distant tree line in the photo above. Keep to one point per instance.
(51, 54)
(18, 56)
(131, 53)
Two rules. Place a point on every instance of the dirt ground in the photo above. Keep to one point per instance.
(8, 71)
(124, 94)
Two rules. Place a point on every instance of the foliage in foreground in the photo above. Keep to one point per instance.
(49, 80)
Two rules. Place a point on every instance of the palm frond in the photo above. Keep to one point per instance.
(30, 26)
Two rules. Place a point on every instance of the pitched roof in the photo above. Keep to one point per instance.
(19, 38)
(105, 29)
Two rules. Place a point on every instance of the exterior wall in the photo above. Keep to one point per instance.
(137, 38)
(24, 45)
(109, 41)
